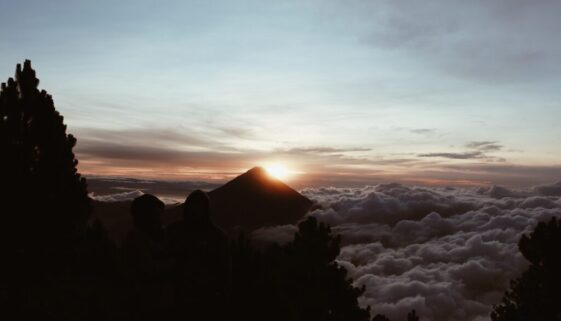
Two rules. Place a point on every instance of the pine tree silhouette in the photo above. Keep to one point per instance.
(43, 198)
(536, 294)
(412, 316)
(380, 317)
(314, 282)
(298, 281)
(55, 265)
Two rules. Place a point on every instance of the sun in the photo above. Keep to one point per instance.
(278, 171)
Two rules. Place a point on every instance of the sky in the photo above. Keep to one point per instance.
(342, 93)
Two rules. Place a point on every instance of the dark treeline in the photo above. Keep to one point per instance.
(58, 263)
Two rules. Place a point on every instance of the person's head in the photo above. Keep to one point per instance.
(196, 210)
(146, 211)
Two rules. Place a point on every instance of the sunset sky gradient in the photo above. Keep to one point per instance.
(340, 92)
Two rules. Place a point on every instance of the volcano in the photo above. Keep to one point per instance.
(256, 199)
(252, 200)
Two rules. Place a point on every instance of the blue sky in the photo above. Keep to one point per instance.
(342, 92)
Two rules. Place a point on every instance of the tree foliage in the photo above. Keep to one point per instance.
(536, 294)
(299, 281)
(46, 243)
(380, 317)
(412, 316)
(46, 197)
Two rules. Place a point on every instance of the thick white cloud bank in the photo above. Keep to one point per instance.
(448, 253)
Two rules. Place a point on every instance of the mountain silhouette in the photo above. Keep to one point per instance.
(256, 199)
(252, 200)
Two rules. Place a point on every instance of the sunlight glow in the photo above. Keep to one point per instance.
(278, 171)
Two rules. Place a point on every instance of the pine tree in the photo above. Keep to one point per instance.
(43, 199)
(297, 281)
(55, 265)
(380, 317)
(536, 294)
(412, 316)
(315, 284)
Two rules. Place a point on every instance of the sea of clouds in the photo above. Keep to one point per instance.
(448, 253)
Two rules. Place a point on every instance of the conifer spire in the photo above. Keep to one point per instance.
(39, 178)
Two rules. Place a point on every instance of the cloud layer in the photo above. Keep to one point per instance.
(449, 253)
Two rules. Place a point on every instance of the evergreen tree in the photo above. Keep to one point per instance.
(40, 185)
(315, 284)
(536, 294)
(54, 264)
(380, 317)
(298, 281)
(412, 316)
(256, 284)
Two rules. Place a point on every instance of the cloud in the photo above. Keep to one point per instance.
(118, 197)
(466, 155)
(160, 153)
(326, 150)
(264, 236)
(549, 190)
(496, 191)
(423, 131)
(485, 145)
(479, 150)
(501, 173)
(174, 154)
(499, 41)
(115, 189)
(449, 253)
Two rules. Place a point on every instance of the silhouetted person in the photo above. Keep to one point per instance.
(145, 259)
(203, 261)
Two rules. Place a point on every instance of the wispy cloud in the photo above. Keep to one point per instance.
(476, 40)
(479, 150)
(466, 155)
(423, 131)
(325, 150)
(486, 146)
